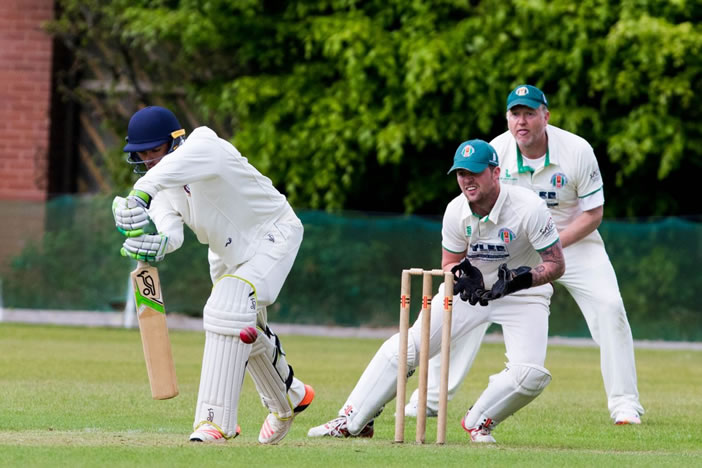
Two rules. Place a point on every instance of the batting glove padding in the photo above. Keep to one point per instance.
(147, 248)
(509, 281)
(131, 216)
(469, 284)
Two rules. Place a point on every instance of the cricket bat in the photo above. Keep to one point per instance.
(151, 314)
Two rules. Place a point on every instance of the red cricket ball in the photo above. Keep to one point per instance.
(248, 335)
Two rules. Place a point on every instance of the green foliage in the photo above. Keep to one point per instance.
(332, 97)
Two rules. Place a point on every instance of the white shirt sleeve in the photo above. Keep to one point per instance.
(541, 227)
(591, 201)
(197, 159)
(452, 239)
(168, 221)
(589, 176)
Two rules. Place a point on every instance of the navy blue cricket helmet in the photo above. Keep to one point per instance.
(149, 128)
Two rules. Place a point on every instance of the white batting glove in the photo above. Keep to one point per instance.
(147, 248)
(131, 217)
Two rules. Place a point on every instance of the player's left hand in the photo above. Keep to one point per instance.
(131, 215)
(469, 284)
(147, 248)
(509, 281)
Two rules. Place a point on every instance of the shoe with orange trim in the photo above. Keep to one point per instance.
(627, 417)
(275, 429)
(208, 432)
(481, 434)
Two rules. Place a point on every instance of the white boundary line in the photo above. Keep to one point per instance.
(183, 322)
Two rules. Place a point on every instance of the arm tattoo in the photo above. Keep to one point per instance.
(552, 266)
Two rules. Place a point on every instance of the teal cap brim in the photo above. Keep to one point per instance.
(472, 166)
(521, 101)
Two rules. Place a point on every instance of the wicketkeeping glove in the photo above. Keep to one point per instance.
(147, 248)
(509, 281)
(469, 284)
(131, 217)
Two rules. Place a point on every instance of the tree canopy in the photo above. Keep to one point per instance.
(351, 104)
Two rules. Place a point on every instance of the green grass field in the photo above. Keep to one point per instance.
(80, 397)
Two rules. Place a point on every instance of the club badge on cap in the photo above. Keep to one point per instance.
(526, 95)
(474, 156)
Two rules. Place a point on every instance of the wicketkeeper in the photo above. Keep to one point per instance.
(503, 248)
(561, 168)
(253, 237)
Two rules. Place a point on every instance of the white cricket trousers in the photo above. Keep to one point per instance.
(524, 320)
(269, 267)
(591, 281)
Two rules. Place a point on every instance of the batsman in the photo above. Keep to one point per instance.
(253, 237)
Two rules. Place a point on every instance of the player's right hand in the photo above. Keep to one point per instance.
(131, 215)
(147, 248)
(468, 283)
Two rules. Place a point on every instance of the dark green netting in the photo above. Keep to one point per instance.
(347, 271)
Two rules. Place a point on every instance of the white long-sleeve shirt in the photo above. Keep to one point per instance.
(208, 185)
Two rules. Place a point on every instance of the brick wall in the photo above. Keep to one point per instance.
(25, 98)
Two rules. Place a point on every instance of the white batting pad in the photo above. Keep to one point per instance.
(222, 375)
(271, 373)
(377, 385)
(507, 392)
(231, 306)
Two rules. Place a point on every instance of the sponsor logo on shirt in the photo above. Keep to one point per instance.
(229, 241)
(469, 231)
(548, 229)
(487, 252)
(506, 175)
(186, 187)
(551, 198)
(595, 174)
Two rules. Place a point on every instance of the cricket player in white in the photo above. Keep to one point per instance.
(503, 247)
(561, 168)
(253, 237)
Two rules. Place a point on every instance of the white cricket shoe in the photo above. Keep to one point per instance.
(411, 410)
(275, 429)
(207, 432)
(480, 434)
(626, 417)
(338, 428)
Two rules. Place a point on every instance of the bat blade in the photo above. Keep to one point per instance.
(151, 314)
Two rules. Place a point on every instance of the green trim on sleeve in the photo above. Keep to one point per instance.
(594, 191)
(549, 245)
(449, 250)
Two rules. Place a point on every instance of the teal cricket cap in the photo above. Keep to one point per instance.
(526, 95)
(474, 156)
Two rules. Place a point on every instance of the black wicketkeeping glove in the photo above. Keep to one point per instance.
(509, 281)
(469, 284)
